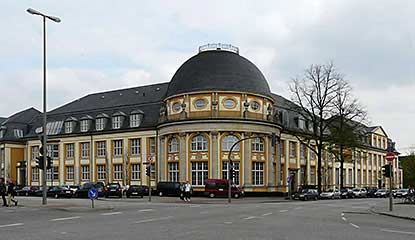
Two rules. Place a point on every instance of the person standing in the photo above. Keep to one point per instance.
(3, 191)
(11, 192)
(187, 191)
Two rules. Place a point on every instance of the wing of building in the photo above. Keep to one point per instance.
(184, 129)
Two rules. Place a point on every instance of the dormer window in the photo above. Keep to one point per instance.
(18, 133)
(135, 118)
(100, 121)
(85, 123)
(68, 127)
(2, 131)
(117, 120)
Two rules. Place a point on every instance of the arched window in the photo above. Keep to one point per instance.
(199, 143)
(257, 145)
(173, 145)
(228, 141)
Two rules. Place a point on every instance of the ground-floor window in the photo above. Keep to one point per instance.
(101, 172)
(358, 176)
(225, 172)
(199, 173)
(337, 173)
(258, 173)
(35, 174)
(69, 173)
(85, 173)
(117, 172)
(313, 176)
(350, 176)
(53, 172)
(135, 172)
(174, 172)
(302, 175)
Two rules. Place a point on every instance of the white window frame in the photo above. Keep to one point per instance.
(258, 172)
(18, 133)
(69, 126)
(84, 125)
(35, 152)
(258, 145)
(173, 145)
(292, 149)
(116, 122)
(225, 171)
(173, 171)
(53, 151)
(228, 141)
(101, 172)
(69, 151)
(70, 173)
(200, 174)
(135, 146)
(135, 172)
(152, 143)
(99, 124)
(101, 149)
(117, 171)
(85, 150)
(199, 143)
(85, 175)
(135, 120)
(313, 175)
(117, 148)
(35, 175)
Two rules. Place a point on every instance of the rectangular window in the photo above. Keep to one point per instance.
(152, 145)
(49, 175)
(117, 171)
(35, 174)
(69, 173)
(337, 173)
(53, 151)
(99, 124)
(117, 144)
(358, 177)
(101, 149)
(135, 120)
(68, 127)
(199, 173)
(153, 171)
(225, 171)
(85, 173)
(85, 125)
(135, 172)
(258, 173)
(302, 175)
(292, 150)
(135, 147)
(18, 133)
(52, 172)
(116, 122)
(174, 172)
(101, 172)
(35, 152)
(85, 152)
(364, 177)
(350, 176)
(282, 148)
(69, 151)
(313, 175)
(303, 151)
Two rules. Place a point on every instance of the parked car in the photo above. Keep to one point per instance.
(113, 189)
(136, 190)
(220, 187)
(382, 193)
(83, 190)
(74, 188)
(330, 194)
(27, 191)
(402, 193)
(168, 188)
(371, 191)
(39, 192)
(60, 191)
(359, 192)
(346, 193)
(308, 194)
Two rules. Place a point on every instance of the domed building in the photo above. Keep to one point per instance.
(183, 130)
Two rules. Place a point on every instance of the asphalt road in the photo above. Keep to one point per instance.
(138, 219)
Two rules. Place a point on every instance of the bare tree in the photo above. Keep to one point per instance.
(315, 94)
(346, 125)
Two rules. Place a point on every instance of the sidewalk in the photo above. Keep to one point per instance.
(400, 210)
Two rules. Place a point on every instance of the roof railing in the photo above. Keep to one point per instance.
(219, 47)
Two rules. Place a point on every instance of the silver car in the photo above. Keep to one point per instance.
(330, 194)
(359, 192)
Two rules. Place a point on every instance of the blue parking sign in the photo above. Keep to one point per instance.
(93, 193)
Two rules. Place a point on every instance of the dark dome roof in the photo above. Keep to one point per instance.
(218, 70)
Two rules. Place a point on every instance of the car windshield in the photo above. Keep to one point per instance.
(329, 190)
(403, 190)
(305, 190)
(113, 186)
(356, 190)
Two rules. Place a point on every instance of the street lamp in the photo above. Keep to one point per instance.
(44, 140)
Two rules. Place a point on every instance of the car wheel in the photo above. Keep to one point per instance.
(56, 195)
(161, 194)
(236, 195)
(211, 195)
(128, 196)
(27, 194)
(142, 196)
(305, 198)
(120, 196)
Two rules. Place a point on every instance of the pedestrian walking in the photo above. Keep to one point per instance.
(187, 191)
(11, 193)
(3, 191)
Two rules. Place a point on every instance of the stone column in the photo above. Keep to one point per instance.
(62, 157)
(214, 156)
(183, 157)
(247, 161)
(162, 158)
(143, 142)
(270, 164)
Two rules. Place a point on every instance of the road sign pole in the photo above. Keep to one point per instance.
(149, 184)
(92, 203)
(390, 189)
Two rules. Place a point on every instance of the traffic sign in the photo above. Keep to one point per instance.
(390, 156)
(93, 193)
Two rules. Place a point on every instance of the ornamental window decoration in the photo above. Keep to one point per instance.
(228, 141)
(200, 103)
(199, 143)
(258, 145)
(229, 103)
(173, 145)
(136, 118)
(246, 105)
(176, 107)
(255, 105)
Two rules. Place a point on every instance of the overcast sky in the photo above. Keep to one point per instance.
(105, 45)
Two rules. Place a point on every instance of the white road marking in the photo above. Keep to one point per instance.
(63, 219)
(146, 210)
(227, 222)
(195, 206)
(396, 231)
(204, 212)
(283, 210)
(267, 214)
(344, 219)
(250, 217)
(153, 219)
(110, 213)
(297, 208)
(354, 225)
(12, 225)
(342, 214)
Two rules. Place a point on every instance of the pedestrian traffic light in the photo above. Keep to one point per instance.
(49, 162)
(386, 170)
(148, 171)
(39, 162)
(233, 173)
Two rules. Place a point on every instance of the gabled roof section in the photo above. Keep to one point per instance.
(25, 116)
(378, 130)
(117, 98)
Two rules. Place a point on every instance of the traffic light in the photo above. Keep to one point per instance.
(386, 170)
(233, 173)
(39, 162)
(148, 171)
(49, 162)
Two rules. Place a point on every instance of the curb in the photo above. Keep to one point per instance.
(392, 215)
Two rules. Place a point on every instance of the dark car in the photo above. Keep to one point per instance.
(401, 193)
(83, 190)
(371, 192)
(39, 192)
(27, 191)
(60, 191)
(168, 188)
(113, 189)
(220, 187)
(308, 194)
(136, 191)
(382, 193)
(346, 193)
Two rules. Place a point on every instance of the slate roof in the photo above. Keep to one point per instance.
(2, 119)
(22, 120)
(218, 70)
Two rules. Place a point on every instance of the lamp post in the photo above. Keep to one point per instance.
(57, 20)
